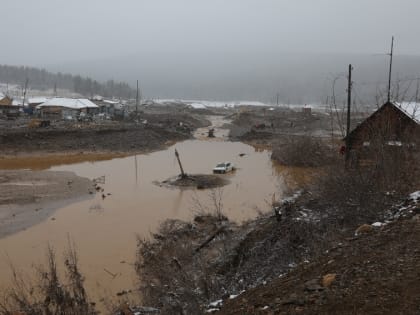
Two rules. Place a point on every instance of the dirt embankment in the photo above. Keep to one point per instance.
(119, 139)
(190, 265)
(28, 197)
(264, 124)
(374, 273)
(145, 133)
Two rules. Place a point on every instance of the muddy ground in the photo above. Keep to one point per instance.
(266, 126)
(27, 197)
(198, 181)
(148, 131)
(373, 273)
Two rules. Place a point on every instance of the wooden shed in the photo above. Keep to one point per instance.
(7, 109)
(391, 124)
(392, 132)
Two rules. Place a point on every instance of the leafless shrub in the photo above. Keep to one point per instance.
(213, 206)
(48, 294)
(174, 276)
(360, 193)
(174, 266)
(302, 151)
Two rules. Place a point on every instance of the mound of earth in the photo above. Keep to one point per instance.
(199, 181)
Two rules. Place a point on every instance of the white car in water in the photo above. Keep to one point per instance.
(223, 168)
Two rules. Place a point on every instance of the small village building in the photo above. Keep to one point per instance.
(111, 107)
(307, 110)
(8, 109)
(33, 102)
(66, 108)
(391, 128)
(98, 98)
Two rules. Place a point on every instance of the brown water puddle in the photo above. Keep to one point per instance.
(105, 229)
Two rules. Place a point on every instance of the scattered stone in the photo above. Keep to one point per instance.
(363, 229)
(313, 285)
(328, 279)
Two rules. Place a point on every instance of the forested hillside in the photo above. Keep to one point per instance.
(41, 79)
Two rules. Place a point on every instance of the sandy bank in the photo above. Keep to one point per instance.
(27, 197)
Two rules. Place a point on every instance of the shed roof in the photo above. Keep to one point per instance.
(112, 102)
(37, 100)
(73, 103)
(411, 109)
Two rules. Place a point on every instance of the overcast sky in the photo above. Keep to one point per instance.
(207, 48)
(52, 31)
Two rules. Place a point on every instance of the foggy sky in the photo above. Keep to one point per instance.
(71, 36)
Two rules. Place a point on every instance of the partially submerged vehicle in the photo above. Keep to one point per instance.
(223, 168)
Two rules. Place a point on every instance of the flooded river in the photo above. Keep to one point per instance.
(104, 228)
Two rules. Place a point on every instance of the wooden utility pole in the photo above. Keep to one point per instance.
(390, 70)
(348, 146)
(24, 91)
(277, 99)
(183, 175)
(137, 99)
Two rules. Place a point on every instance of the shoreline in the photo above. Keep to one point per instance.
(28, 198)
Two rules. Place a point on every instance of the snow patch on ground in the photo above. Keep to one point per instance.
(415, 196)
(378, 224)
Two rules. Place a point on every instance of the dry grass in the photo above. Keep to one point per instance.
(303, 151)
(49, 295)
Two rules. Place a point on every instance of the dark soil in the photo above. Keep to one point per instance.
(120, 139)
(258, 124)
(199, 181)
(300, 246)
(148, 131)
(376, 273)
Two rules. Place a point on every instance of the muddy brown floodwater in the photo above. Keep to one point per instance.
(105, 228)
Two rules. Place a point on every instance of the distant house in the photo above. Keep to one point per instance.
(392, 125)
(33, 102)
(66, 108)
(6, 101)
(7, 109)
(97, 98)
(307, 110)
(111, 107)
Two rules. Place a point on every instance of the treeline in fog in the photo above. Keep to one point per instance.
(41, 79)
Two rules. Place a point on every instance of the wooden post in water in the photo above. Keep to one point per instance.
(180, 165)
